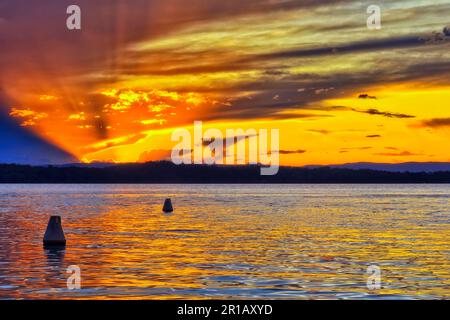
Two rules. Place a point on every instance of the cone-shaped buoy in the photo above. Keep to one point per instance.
(168, 206)
(54, 235)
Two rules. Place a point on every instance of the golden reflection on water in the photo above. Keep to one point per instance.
(290, 242)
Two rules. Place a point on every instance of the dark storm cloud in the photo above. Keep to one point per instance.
(356, 148)
(252, 113)
(434, 71)
(229, 140)
(397, 154)
(299, 151)
(366, 96)
(195, 70)
(446, 31)
(349, 149)
(287, 152)
(368, 111)
(374, 112)
(436, 123)
(385, 114)
(363, 46)
(253, 62)
(321, 131)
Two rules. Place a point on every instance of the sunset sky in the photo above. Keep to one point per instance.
(338, 92)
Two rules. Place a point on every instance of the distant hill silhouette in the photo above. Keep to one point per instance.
(166, 172)
(394, 167)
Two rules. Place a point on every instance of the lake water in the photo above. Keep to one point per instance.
(227, 241)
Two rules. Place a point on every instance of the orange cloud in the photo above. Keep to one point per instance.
(29, 116)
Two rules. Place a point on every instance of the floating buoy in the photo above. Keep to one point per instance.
(168, 206)
(54, 235)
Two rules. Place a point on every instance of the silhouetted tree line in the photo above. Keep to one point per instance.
(166, 172)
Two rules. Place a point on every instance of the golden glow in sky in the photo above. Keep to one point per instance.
(338, 92)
